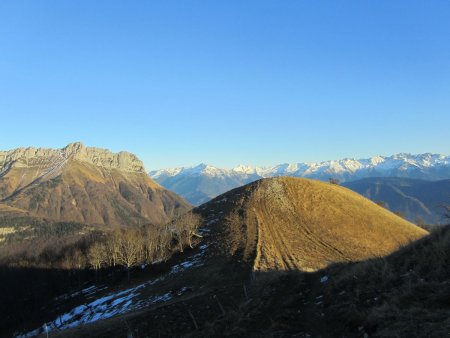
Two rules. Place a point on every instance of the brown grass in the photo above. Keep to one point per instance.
(82, 192)
(272, 226)
(306, 225)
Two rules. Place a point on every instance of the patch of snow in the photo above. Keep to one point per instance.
(212, 221)
(194, 261)
(163, 298)
(183, 290)
(101, 308)
(116, 303)
(86, 292)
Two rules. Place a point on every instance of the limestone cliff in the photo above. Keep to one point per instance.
(84, 184)
(45, 157)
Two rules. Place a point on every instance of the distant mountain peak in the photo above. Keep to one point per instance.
(201, 182)
(346, 165)
(245, 169)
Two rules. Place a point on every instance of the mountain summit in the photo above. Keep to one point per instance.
(54, 158)
(201, 183)
(287, 223)
(84, 184)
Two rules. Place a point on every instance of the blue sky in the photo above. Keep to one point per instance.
(254, 82)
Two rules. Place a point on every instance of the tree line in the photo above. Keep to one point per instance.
(48, 264)
(121, 246)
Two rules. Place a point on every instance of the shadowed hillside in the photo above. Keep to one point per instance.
(249, 235)
(418, 200)
(403, 295)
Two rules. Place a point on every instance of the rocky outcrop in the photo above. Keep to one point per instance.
(45, 157)
(85, 184)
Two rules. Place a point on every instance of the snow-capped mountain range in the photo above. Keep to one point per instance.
(200, 183)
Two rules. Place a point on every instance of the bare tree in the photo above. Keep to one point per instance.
(420, 222)
(382, 204)
(192, 223)
(179, 233)
(130, 249)
(112, 245)
(164, 242)
(334, 180)
(184, 228)
(401, 214)
(97, 255)
(150, 239)
(78, 259)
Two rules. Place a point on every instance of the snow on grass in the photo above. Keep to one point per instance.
(116, 303)
(210, 222)
(183, 290)
(101, 308)
(193, 261)
(89, 291)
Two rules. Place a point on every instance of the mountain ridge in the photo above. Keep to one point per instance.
(419, 201)
(396, 161)
(190, 182)
(84, 184)
(32, 156)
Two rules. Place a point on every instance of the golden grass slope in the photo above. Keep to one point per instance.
(293, 223)
(82, 192)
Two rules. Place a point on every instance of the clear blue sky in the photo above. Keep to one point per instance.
(255, 82)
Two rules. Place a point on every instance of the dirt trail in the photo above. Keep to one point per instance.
(306, 225)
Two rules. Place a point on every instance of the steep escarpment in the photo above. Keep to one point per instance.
(84, 184)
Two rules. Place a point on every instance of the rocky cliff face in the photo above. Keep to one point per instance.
(84, 184)
(44, 157)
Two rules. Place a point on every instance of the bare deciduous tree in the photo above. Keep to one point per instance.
(334, 180)
(382, 204)
(192, 223)
(130, 249)
(164, 242)
(184, 228)
(97, 255)
(112, 247)
(150, 239)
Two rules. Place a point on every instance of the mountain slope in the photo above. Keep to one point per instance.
(418, 200)
(292, 223)
(83, 184)
(204, 181)
(402, 295)
(249, 233)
